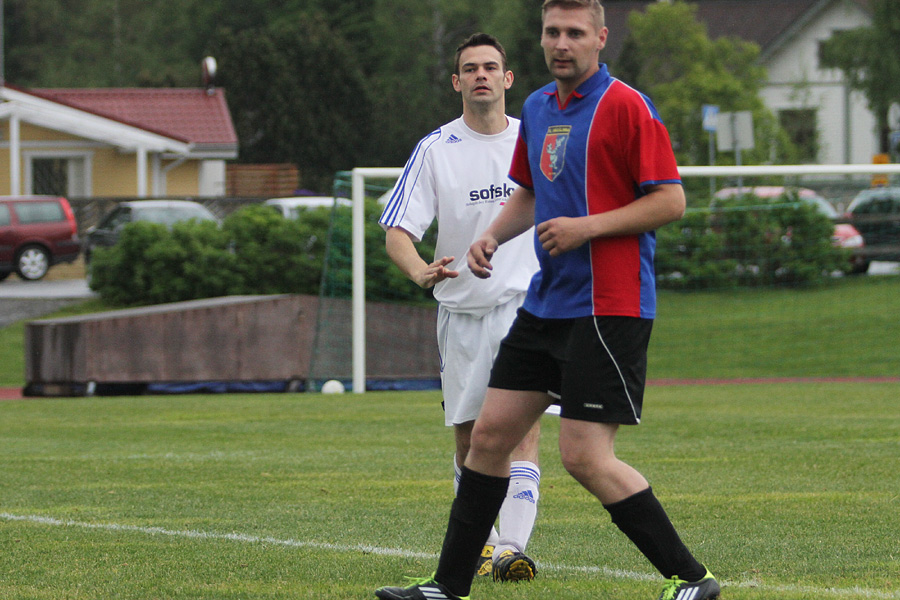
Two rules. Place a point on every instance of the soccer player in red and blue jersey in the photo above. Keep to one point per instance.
(596, 177)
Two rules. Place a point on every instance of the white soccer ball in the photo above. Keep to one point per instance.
(332, 386)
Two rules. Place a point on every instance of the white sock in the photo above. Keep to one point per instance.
(519, 510)
(494, 537)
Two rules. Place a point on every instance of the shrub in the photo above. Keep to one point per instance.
(277, 255)
(690, 255)
(749, 241)
(152, 264)
(384, 281)
(255, 251)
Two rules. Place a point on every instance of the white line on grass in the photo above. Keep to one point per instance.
(399, 552)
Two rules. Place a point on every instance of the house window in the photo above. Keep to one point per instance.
(800, 125)
(49, 176)
(58, 175)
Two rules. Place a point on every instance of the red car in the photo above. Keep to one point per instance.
(36, 232)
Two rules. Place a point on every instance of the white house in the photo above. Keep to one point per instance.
(815, 105)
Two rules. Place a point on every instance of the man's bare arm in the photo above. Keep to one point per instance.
(402, 250)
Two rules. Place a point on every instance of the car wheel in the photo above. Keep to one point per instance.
(859, 267)
(32, 263)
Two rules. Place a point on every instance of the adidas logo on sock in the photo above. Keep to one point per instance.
(453, 139)
(526, 495)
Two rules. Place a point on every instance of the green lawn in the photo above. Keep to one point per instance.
(846, 329)
(787, 491)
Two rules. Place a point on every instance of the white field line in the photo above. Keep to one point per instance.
(854, 592)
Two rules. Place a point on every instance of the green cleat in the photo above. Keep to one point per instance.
(422, 588)
(679, 589)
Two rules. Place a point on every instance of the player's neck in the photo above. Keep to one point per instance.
(489, 122)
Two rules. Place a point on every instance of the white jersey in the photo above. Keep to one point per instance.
(459, 177)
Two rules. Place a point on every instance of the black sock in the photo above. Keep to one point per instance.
(642, 518)
(472, 515)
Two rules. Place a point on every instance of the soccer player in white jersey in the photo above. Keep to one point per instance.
(458, 175)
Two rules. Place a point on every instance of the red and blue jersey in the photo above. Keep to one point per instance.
(597, 152)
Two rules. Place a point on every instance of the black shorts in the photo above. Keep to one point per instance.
(597, 366)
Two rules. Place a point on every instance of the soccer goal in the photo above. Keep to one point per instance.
(838, 182)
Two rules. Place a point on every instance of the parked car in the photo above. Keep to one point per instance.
(876, 214)
(164, 212)
(290, 207)
(845, 235)
(36, 232)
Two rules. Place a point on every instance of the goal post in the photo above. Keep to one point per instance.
(359, 176)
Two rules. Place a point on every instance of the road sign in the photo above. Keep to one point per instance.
(735, 131)
(880, 179)
(710, 117)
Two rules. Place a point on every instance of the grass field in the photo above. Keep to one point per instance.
(787, 491)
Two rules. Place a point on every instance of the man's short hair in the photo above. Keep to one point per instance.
(592, 5)
(480, 39)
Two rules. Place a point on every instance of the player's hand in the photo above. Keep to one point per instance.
(436, 272)
(479, 257)
(562, 234)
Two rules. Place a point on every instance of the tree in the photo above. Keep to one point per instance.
(410, 62)
(869, 57)
(296, 95)
(669, 56)
(102, 43)
(517, 24)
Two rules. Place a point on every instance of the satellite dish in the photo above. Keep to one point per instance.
(209, 72)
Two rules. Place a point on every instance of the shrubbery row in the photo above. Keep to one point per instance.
(749, 242)
(256, 251)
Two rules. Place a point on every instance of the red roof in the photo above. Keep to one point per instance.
(189, 115)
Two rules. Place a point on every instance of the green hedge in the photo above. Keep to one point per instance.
(748, 242)
(741, 242)
(255, 251)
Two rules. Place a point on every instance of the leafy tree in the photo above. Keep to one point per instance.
(517, 24)
(410, 62)
(296, 95)
(101, 43)
(870, 60)
(669, 56)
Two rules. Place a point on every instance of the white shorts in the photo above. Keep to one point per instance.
(468, 345)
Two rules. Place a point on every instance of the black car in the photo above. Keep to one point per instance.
(876, 214)
(164, 212)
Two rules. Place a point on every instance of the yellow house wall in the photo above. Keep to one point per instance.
(112, 172)
(183, 180)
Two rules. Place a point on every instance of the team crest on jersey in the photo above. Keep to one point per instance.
(553, 154)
